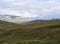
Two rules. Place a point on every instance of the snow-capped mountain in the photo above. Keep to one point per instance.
(14, 19)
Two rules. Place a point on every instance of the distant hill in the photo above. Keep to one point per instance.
(37, 33)
(39, 21)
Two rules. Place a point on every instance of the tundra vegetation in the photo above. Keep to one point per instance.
(37, 33)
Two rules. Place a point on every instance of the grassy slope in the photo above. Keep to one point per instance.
(43, 32)
(7, 25)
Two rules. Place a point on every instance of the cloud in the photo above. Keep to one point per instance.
(41, 9)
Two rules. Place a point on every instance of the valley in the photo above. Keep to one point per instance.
(41, 33)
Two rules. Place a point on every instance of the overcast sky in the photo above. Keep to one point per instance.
(43, 9)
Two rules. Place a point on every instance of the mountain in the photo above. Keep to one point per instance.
(14, 19)
(37, 33)
(23, 20)
(39, 21)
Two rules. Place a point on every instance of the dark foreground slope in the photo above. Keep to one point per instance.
(39, 33)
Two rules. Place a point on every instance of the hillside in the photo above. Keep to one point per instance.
(38, 33)
(7, 25)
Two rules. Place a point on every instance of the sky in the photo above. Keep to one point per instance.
(39, 9)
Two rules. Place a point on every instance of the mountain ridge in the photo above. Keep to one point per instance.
(22, 20)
